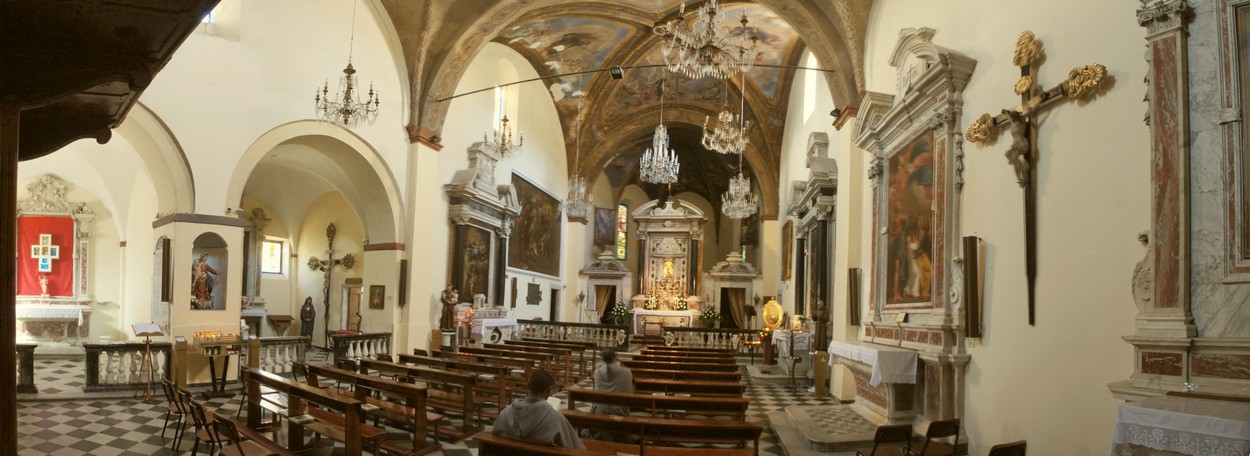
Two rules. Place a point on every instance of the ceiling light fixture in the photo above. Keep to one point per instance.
(702, 50)
(577, 202)
(659, 163)
(346, 108)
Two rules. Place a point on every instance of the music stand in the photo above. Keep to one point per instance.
(147, 330)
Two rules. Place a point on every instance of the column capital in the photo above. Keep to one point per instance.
(1162, 16)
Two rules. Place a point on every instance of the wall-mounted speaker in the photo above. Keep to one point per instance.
(852, 296)
(973, 324)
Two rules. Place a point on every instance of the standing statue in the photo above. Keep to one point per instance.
(450, 297)
(202, 282)
(307, 318)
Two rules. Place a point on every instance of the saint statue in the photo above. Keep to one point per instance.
(307, 318)
(202, 282)
(450, 297)
(43, 284)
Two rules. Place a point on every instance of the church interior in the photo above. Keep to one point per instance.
(1026, 220)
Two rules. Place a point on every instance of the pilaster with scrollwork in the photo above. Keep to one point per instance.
(1162, 16)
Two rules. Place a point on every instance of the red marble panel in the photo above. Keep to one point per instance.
(932, 390)
(904, 396)
(940, 159)
(866, 391)
(1229, 366)
(1161, 363)
(916, 336)
(1167, 199)
(935, 338)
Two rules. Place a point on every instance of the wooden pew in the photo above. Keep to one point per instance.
(653, 432)
(672, 348)
(686, 366)
(338, 418)
(668, 374)
(691, 387)
(409, 412)
(560, 371)
(684, 359)
(518, 369)
(663, 406)
(691, 355)
(492, 445)
(586, 362)
(492, 381)
(563, 358)
(448, 392)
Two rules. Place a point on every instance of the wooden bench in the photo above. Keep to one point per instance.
(690, 387)
(686, 366)
(560, 371)
(492, 381)
(449, 392)
(587, 357)
(672, 348)
(492, 445)
(663, 406)
(518, 369)
(692, 355)
(668, 374)
(404, 404)
(338, 418)
(684, 359)
(563, 360)
(652, 433)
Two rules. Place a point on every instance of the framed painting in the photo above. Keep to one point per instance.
(909, 222)
(473, 261)
(377, 296)
(751, 230)
(535, 242)
(787, 247)
(605, 226)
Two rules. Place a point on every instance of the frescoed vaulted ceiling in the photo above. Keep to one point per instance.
(568, 36)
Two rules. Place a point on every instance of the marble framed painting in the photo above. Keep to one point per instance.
(909, 222)
(535, 242)
(605, 226)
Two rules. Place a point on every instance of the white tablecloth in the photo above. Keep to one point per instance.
(50, 313)
(484, 325)
(683, 318)
(889, 364)
(1196, 427)
(802, 342)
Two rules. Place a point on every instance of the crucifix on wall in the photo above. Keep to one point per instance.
(326, 266)
(1082, 82)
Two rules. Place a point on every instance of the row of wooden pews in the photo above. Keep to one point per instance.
(682, 398)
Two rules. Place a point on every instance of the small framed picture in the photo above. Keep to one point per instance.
(377, 296)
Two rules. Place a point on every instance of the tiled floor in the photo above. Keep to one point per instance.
(128, 426)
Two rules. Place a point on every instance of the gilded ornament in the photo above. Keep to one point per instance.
(1028, 49)
(1024, 84)
(979, 131)
(1082, 81)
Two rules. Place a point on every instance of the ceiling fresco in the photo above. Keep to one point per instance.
(566, 45)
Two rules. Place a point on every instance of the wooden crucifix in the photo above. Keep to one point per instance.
(326, 266)
(1082, 82)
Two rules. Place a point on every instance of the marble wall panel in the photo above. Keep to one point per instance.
(1229, 366)
(864, 390)
(1161, 363)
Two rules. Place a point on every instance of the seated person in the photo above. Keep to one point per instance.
(613, 377)
(533, 419)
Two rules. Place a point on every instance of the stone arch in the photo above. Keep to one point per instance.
(374, 193)
(164, 161)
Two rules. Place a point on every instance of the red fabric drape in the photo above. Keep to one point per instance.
(61, 278)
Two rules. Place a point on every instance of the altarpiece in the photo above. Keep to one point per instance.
(671, 253)
(481, 214)
(53, 294)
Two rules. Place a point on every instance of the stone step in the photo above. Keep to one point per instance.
(792, 440)
(831, 428)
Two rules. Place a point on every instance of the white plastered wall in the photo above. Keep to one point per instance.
(1045, 383)
(349, 238)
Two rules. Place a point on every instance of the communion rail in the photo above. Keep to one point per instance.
(710, 337)
(119, 366)
(603, 336)
(277, 355)
(26, 368)
(356, 346)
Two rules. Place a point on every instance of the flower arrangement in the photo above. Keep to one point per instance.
(617, 314)
(711, 314)
(682, 305)
(652, 303)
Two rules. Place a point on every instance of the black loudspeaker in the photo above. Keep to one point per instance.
(167, 270)
(852, 296)
(974, 326)
(403, 283)
(616, 72)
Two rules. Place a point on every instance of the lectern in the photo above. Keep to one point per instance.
(146, 331)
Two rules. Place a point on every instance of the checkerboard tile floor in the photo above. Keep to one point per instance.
(127, 426)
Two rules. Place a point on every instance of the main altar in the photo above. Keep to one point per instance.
(669, 235)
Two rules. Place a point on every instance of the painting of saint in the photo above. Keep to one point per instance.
(909, 222)
(605, 226)
(535, 242)
(475, 256)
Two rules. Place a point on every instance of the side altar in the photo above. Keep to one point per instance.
(54, 299)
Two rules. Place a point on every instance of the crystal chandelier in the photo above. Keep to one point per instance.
(730, 135)
(703, 51)
(659, 163)
(739, 201)
(346, 109)
(501, 141)
(577, 202)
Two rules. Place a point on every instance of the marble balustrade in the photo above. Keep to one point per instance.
(276, 354)
(710, 337)
(26, 369)
(119, 366)
(603, 336)
(356, 346)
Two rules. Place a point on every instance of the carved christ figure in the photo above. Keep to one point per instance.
(1019, 152)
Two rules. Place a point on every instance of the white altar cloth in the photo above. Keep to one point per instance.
(889, 364)
(683, 318)
(1184, 425)
(486, 323)
(50, 313)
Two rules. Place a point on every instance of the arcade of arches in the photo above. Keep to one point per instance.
(882, 217)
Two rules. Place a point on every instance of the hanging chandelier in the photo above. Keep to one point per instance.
(577, 202)
(739, 201)
(346, 109)
(659, 163)
(730, 135)
(501, 140)
(704, 51)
